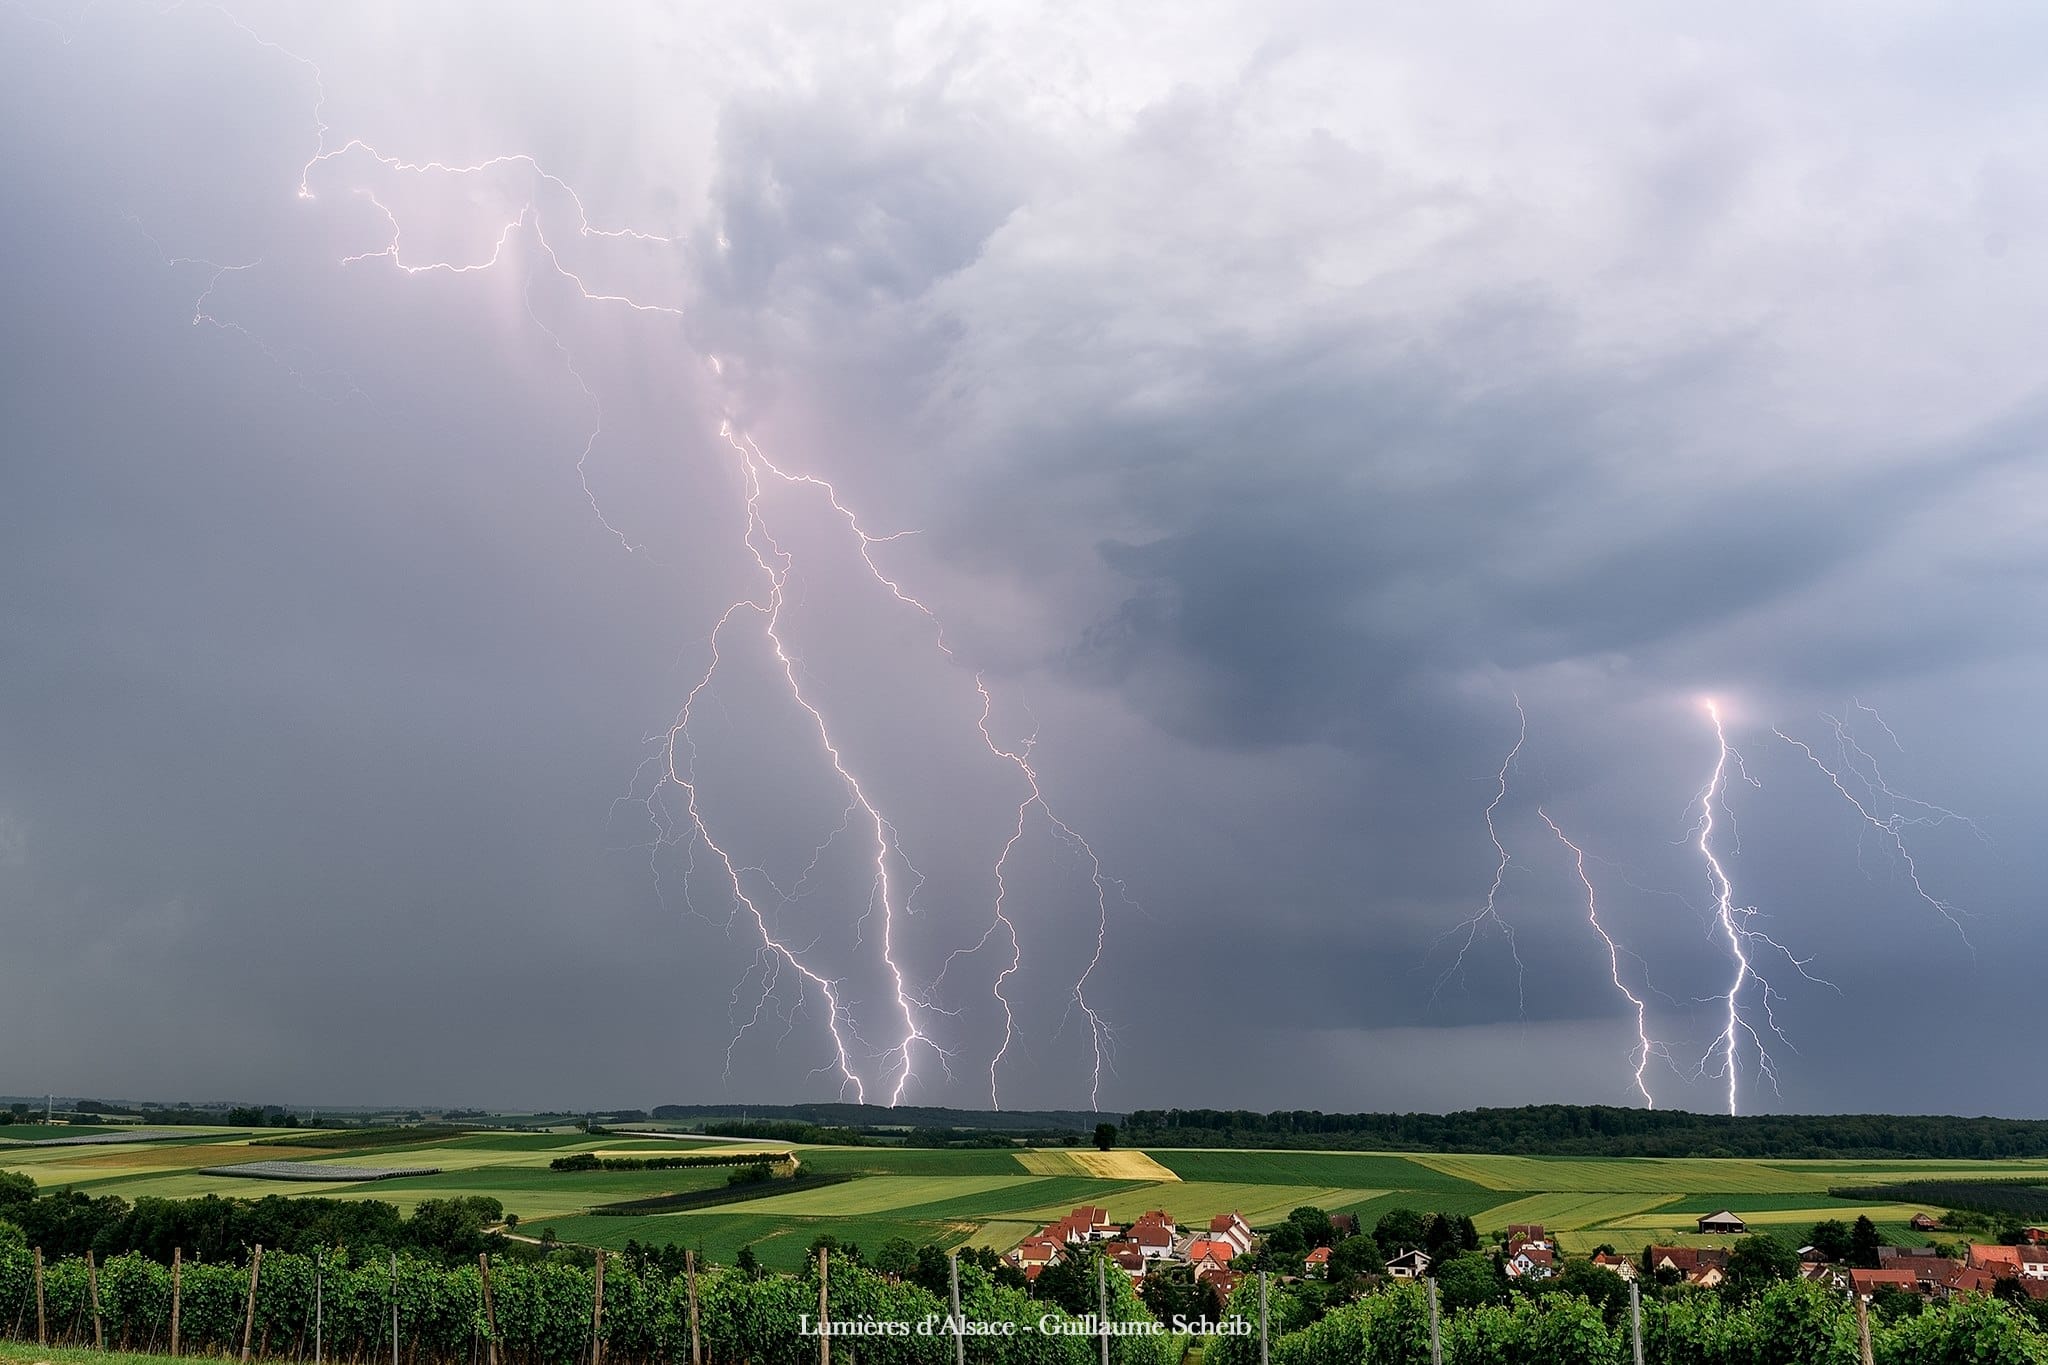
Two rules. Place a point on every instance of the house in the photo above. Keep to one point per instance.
(1923, 1222)
(1231, 1227)
(2033, 1262)
(1152, 1237)
(1209, 1255)
(1409, 1265)
(1317, 1262)
(1826, 1276)
(1866, 1283)
(1126, 1256)
(1222, 1284)
(1344, 1225)
(1520, 1234)
(2002, 1261)
(1702, 1266)
(1036, 1253)
(1723, 1223)
(1532, 1262)
(2035, 1236)
(1620, 1265)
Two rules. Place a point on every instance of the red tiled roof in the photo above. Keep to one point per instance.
(1988, 1256)
(1870, 1281)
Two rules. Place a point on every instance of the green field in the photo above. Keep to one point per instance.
(988, 1196)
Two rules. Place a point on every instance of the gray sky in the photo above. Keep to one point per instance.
(1275, 393)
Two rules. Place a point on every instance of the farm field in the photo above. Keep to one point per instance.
(997, 1196)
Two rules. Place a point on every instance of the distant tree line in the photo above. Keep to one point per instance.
(71, 1222)
(1597, 1130)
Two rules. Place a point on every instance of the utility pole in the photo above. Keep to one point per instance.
(959, 1323)
(1263, 1357)
(1102, 1303)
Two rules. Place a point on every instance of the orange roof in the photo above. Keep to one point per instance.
(1987, 1256)
(1211, 1249)
(1320, 1256)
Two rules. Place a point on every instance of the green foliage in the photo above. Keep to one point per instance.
(1105, 1135)
(1830, 1237)
(1758, 1261)
(1469, 1279)
(15, 1189)
(1598, 1130)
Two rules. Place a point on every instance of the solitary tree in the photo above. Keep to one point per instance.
(1105, 1135)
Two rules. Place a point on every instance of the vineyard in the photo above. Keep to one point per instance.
(545, 1313)
(550, 1313)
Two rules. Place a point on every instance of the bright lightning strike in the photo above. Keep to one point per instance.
(539, 201)
(1736, 925)
(1645, 1047)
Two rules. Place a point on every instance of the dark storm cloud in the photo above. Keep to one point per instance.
(1275, 396)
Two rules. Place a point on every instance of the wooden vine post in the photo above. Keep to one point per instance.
(597, 1315)
(42, 1321)
(690, 1272)
(249, 1313)
(1863, 1331)
(824, 1285)
(177, 1292)
(483, 1265)
(394, 1308)
(92, 1282)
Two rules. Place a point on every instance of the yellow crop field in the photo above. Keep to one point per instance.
(1110, 1165)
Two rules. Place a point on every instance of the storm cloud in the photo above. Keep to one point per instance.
(1275, 393)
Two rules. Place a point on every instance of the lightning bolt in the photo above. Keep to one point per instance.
(1489, 913)
(543, 211)
(1644, 1047)
(1855, 760)
(1737, 926)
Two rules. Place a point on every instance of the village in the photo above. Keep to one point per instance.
(1219, 1255)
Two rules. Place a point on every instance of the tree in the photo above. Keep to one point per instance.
(1758, 1261)
(897, 1256)
(1314, 1224)
(1399, 1230)
(1469, 1279)
(1831, 1239)
(1354, 1257)
(1105, 1135)
(1285, 1244)
(749, 1264)
(15, 1188)
(1600, 1287)
(1864, 1241)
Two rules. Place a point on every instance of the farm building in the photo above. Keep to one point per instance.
(1723, 1223)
